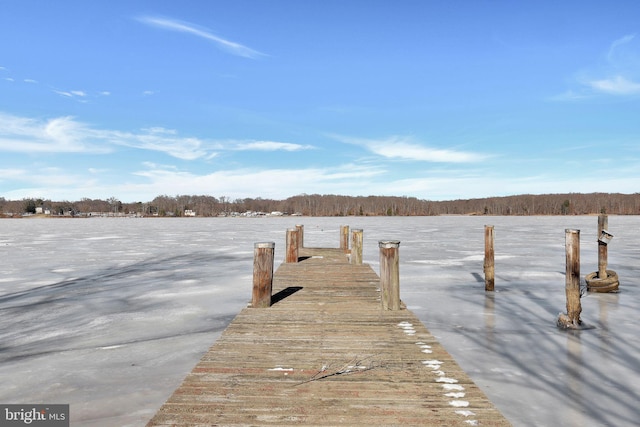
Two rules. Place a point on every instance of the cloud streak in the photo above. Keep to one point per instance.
(616, 85)
(613, 49)
(279, 183)
(67, 135)
(271, 146)
(57, 135)
(396, 147)
(188, 28)
(618, 76)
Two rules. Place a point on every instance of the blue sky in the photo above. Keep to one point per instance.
(434, 99)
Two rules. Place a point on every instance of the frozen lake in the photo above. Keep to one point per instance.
(110, 314)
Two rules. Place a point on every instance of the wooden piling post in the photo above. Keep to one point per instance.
(300, 229)
(356, 246)
(390, 274)
(603, 280)
(603, 225)
(292, 246)
(344, 238)
(572, 280)
(262, 274)
(489, 259)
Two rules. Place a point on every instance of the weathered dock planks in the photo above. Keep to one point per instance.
(325, 353)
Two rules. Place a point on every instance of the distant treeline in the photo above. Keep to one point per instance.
(334, 205)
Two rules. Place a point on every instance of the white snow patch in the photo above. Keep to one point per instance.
(465, 413)
(446, 380)
(472, 422)
(455, 395)
(459, 403)
(452, 387)
(279, 368)
(426, 350)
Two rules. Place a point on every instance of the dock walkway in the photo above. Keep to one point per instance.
(325, 353)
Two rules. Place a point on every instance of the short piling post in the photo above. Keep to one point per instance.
(262, 274)
(572, 281)
(356, 246)
(292, 246)
(300, 229)
(489, 259)
(603, 253)
(344, 238)
(390, 274)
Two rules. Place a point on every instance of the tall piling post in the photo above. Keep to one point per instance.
(262, 274)
(603, 252)
(292, 246)
(344, 238)
(489, 259)
(300, 229)
(572, 281)
(356, 246)
(390, 274)
(603, 280)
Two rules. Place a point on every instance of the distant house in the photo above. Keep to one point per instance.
(189, 212)
(39, 211)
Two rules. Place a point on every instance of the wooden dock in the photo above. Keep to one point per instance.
(325, 353)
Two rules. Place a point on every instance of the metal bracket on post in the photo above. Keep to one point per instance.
(605, 237)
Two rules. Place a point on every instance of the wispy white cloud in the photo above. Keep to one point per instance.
(30, 81)
(63, 93)
(162, 140)
(396, 147)
(623, 61)
(57, 135)
(152, 179)
(616, 85)
(616, 44)
(78, 95)
(67, 135)
(619, 75)
(12, 173)
(271, 146)
(185, 27)
(9, 79)
(569, 95)
(277, 183)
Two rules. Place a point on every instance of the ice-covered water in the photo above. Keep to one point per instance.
(110, 314)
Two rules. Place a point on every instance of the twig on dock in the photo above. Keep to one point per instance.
(355, 365)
